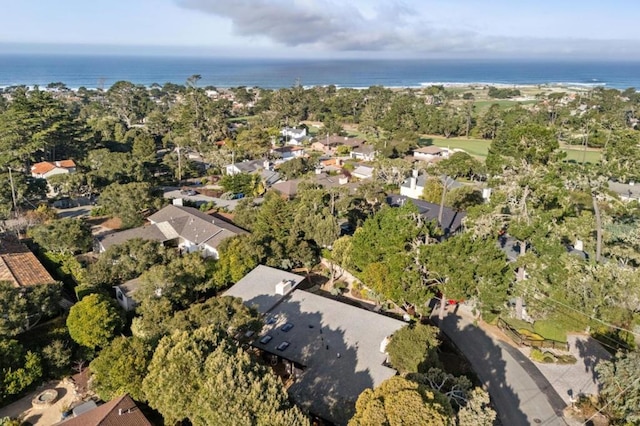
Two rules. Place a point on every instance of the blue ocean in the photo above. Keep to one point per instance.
(102, 71)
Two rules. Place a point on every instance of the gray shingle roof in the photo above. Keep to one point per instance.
(147, 232)
(177, 221)
(196, 226)
(451, 219)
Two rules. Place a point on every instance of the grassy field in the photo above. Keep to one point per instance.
(482, 106)
(475, 147)
(576, 154)
(480, 147)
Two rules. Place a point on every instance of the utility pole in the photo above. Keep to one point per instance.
(179, 166)
(13, 193)
(445, 184)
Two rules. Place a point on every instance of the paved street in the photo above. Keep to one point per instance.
(519, 392)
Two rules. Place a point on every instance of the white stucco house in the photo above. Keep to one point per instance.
(46, 169)
(431, 152)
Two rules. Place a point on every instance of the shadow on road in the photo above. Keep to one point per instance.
(487, 361)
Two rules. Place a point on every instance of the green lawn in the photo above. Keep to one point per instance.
(476, 147)
(577, 155)
(549, 329)
(480, 147)
(482, 106)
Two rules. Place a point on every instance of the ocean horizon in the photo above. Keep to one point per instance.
(101, 71)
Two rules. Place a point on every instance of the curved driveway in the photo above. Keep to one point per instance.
(520, 394)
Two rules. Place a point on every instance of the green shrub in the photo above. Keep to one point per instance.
(566, 359)
(544, 357)
(530, 335)
(98, 211)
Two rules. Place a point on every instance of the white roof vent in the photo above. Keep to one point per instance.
(284, 287)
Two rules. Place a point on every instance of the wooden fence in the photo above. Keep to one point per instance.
(522, 339)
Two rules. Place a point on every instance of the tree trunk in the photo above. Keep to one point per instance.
(443, 304)
(519, 278)
(596, 211)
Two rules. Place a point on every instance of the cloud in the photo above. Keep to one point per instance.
(388, 27)
(331, 25)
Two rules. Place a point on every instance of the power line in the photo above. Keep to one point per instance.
(615, 398)
(592, 317)
(588, 315)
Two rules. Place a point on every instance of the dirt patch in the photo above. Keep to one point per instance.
(114, 223)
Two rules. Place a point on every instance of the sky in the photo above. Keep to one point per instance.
(326, 28)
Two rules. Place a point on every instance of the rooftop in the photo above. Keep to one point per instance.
(147, 232)
(172, 222)
(339, 346)
(46, 166)
(451, 219)
(334, 346)
(257, 288)
(625, 190)
(431, 149)
(120, 411)
(19, 266)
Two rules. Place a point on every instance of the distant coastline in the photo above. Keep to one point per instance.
(102, 71)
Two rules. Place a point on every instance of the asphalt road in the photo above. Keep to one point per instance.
(520, 394)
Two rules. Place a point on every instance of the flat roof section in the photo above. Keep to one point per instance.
(258, 288)
(339, 345)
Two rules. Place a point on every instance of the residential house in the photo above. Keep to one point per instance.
(329, 145)
(288, 152)
(289, 189)
(431, 152)
(413, 186)
(293, 132)
(334, 351)
(353, 143)
(626, 191)
(451, 219)
(186, 228)
(121, 411)
(294, 136)
(46, 169)
(363, 172)
(364, 153)
(124, 293)
(19, 266)
(247, 166)
(261, 167)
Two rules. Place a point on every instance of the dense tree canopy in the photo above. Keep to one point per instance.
(204, 377)
(94, 321)
(67, 236)
(398, 401)
(414, 348)
(24, 308)
(120, 368)
(620, 393)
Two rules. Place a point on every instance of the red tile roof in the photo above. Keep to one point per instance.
(19, 266)
(42, 168)
(67, 164)
(46, 166)
(121, 411)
